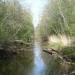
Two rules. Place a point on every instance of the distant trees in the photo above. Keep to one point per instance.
(15, 22)
(58, 18)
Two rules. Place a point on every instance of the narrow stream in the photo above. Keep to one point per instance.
(39, 66)
(34, 61)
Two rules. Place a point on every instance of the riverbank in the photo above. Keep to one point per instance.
(12, 48)
(66, 53)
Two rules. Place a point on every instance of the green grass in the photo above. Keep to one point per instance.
(56, 46)
(69, 51)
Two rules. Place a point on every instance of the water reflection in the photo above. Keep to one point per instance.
(35, 62)
(55, 66)
(39, 66)
(19, 65)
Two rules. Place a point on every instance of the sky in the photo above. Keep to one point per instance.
(36, 7)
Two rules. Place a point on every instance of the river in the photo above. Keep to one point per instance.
(33, 61)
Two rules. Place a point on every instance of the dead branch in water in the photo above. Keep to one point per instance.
(62, 57)
(48, 52)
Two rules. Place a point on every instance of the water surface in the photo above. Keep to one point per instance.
(33, 61)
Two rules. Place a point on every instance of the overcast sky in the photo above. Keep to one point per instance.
(36, 7)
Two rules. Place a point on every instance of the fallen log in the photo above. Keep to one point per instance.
(51, 49)
(48, 52)
(54, 50)
(62, 57)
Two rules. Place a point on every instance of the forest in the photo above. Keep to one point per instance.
(47, 48)
(15, 24)
(57, 26)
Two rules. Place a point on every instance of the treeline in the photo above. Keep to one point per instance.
(58, 18)
(57, 26)
(15, 22)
